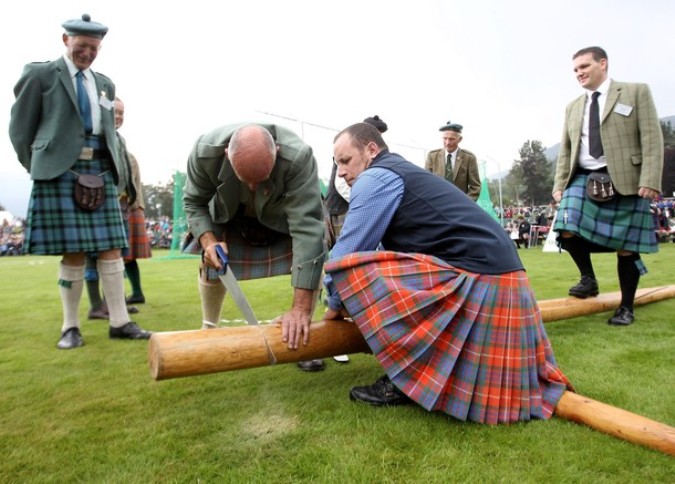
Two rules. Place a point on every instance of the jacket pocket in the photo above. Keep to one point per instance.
(636, 159)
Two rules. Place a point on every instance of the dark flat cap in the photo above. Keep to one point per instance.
(85, 26)
(450, 126)
(380, 125)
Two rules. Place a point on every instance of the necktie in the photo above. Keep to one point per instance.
(594, 140)
(83, 102)
(448, 168)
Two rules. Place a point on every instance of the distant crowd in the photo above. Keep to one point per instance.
(11, 237)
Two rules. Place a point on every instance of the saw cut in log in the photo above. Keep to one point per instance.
(572, 307)
(617, 422)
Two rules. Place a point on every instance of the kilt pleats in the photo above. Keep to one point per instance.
(470, 345)
(623, 223)
(56, 225)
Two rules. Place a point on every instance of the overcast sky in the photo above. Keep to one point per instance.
(501, 69)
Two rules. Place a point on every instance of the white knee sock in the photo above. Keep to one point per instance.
(70, 283)
(212, 295)
(111, 273)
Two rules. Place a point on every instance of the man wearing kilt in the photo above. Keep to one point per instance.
(446, 307)
(612, 129)
(62, 127)
(254, 190)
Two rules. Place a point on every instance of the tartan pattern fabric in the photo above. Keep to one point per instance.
(622, 223)
(247, 261)
(56, 225)
(139, 245)
(470, 345)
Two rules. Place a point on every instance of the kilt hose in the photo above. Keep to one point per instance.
(139, 245)
(249, 261)
(470, 345)
(56, 225)
(622, 223)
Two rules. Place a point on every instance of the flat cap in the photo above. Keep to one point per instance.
(450, 126)
(85, 26)
(380, 125)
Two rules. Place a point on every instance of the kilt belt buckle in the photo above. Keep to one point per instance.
(87, 153)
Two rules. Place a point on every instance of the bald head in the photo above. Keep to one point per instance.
(252, 153)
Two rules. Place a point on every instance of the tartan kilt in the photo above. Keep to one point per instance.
(248, 261)
(56, 225)
(622, 223)
(470, 345)
(139, 245)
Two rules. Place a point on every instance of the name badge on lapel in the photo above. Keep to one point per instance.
(623, 109)
(105, 102)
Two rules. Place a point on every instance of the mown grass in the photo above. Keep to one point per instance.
(95, 415)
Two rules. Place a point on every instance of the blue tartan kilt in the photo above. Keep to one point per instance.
(57, 225)
(622, 223)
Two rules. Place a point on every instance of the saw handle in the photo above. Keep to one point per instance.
(220, 252)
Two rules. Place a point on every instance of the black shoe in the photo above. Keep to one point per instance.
(136, 299)
(622, 317)
(71, 338)
(129, 331)
(382, 392)
(587, 287)
(133, 310)
(312, 365)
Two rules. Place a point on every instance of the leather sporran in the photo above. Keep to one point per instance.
(599, 187)
(89, 192)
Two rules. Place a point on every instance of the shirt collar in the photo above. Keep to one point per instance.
(602, 88)
(73, 70)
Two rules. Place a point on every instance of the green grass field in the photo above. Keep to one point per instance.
(95, 415)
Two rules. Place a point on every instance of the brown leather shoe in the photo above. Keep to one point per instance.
(99, 313)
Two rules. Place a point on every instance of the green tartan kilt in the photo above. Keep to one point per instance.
(622, 223)
(57, 225)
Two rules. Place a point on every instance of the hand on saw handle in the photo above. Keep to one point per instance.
(209, 256)
(222, 258)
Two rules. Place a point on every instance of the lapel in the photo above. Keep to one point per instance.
(66, 80)
(612, 98)
(576, 118)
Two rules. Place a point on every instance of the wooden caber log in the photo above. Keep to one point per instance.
(571, 307)
(189, 353)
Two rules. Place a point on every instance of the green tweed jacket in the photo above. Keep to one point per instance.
(45, 126)
(632, 141)
(465, 173)
(289, 202)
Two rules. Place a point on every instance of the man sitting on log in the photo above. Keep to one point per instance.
(446, 307)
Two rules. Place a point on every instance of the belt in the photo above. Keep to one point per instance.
(88, 154)
(585, 171)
